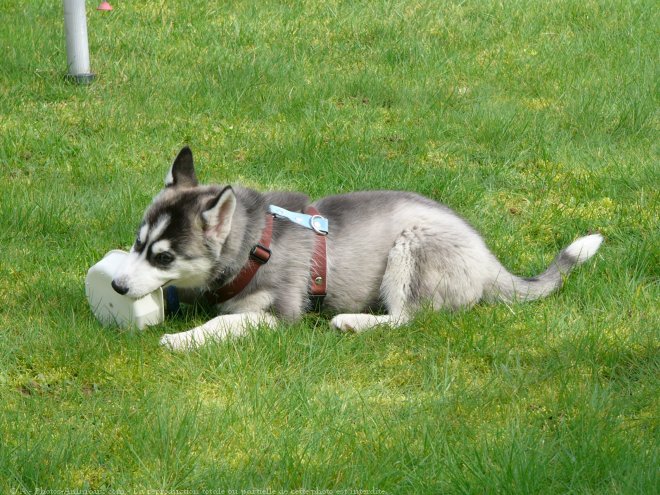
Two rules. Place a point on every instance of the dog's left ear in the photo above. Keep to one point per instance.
(217, 217)
(182, 173)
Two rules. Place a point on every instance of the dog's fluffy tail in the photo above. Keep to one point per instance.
(508, 287)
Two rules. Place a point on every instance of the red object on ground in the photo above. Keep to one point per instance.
(104, 6)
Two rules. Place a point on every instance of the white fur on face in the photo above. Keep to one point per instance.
(159, 228)
(141, 277)
(160, 246)
(190, 273)
(142, 235)
(138, 275)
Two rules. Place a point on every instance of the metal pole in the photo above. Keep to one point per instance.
(77, 49)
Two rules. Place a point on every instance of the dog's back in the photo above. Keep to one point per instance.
(391, 242)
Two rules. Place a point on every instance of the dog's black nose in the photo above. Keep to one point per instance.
(118, 288)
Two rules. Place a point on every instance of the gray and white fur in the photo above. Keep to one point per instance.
(388, 253)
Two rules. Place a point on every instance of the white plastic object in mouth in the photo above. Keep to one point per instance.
(111, 308)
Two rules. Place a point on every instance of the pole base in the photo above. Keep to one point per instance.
(80, 78)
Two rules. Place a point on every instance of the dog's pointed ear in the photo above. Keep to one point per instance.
(218, 215)
(182, 172)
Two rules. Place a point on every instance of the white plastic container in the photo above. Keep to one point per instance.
(111, 308)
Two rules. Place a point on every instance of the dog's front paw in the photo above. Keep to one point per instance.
(168, 341)
(177, 341)
(343, 323)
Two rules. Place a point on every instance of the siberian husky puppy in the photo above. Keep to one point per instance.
(383, 254)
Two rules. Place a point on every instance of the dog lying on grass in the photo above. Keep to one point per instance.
(370, 258)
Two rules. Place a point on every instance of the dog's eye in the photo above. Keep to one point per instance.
(164, 258)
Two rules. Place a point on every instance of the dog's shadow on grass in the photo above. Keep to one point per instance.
(184, 318)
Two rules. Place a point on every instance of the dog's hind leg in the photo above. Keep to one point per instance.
(398, 290)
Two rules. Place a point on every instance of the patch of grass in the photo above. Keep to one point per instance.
(536, 121)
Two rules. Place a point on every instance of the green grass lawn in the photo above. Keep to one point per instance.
(537, 121)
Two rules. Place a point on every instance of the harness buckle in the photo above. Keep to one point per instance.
(260, 254)
(319, 224)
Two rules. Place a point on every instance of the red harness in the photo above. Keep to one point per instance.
(260, 254)
(319, 267)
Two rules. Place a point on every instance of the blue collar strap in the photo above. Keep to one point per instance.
(317, 223)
